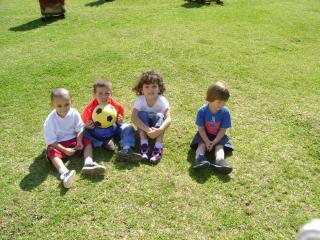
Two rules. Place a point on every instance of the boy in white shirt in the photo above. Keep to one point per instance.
(63, 133)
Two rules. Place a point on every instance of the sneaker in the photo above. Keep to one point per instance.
(109, 145)
(201, 162)
(145, 151)
(93, 169)
(156, 155)
(219, 2)
(128, 155)
(68, 178)
(222, 166)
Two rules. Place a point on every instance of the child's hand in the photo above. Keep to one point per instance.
(89, 125)
(209, 145)
(152, 133)
(119, 120)
(70, 151)
(158, 131)
(79, 146)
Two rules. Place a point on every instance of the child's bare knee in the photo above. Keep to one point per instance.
(218, 147)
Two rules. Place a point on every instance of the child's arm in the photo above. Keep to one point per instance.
(207, 142)
(167, 120)
(87, 116)
(219, 136)
(79, 145)
(158, 131)
(67, 151)
(139, 124)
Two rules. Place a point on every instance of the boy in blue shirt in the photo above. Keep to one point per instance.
(213, 120)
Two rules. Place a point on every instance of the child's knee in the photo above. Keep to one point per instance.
(218, 147)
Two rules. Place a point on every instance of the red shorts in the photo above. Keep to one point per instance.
(53, 152)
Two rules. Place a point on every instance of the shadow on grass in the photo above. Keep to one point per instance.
(97, 3)
(41, 168)
(100, 156)
(34, 24)
(38, 172)
(194, 4)
(202, 175)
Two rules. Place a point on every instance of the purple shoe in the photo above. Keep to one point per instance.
(156, 155)
(145, 151)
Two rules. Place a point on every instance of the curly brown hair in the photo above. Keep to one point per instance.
(149, 77)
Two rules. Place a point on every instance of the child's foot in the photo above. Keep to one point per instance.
(109, 145)
(156, 155)
(219, 2)
(93, 168)
(201, 162)
(68, 178)
(129, 155)
(144, 151)
(222, 166)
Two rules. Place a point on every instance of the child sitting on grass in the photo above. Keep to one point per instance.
(64, 137)
(151, 114)
(213, 120)
(102, 92)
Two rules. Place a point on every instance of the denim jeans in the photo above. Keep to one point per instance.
(151, 119)
(124, 133)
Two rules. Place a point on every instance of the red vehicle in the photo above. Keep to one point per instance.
(50, 8)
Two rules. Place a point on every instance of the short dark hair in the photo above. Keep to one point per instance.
(149, 77)
(101, 82)
(60, 93)
(217, 91)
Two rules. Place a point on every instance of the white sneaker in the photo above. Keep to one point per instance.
(68, 178)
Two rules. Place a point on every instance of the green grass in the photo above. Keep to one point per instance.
(267, 52)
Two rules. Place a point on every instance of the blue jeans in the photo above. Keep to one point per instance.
(151, 119)
(124, 133)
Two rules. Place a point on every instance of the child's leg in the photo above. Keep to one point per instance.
(58, 164)
(67, 176)
(126, 134)
(90, 167)
(144, 145)
(87, 154)
(219, 152)
(220, 164)
(158, 149)
(201, 149)
(201, 161)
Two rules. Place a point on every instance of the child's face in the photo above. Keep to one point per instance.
(150, 90)
(216, 105)
(62, 106)
(103, 94)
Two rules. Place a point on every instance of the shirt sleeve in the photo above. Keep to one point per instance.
(49, 133)
(118, 106)
(165, 103)
(78, 122)
(226, 120)
(87, 113)
(200, 121)
(137, 104)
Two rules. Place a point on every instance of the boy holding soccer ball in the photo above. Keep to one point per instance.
(103, 137)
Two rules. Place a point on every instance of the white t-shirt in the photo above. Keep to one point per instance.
(57, 129)
(160, 106)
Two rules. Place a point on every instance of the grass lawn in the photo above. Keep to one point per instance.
(268, 52)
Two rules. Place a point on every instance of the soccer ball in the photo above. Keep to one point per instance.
(104, 116)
